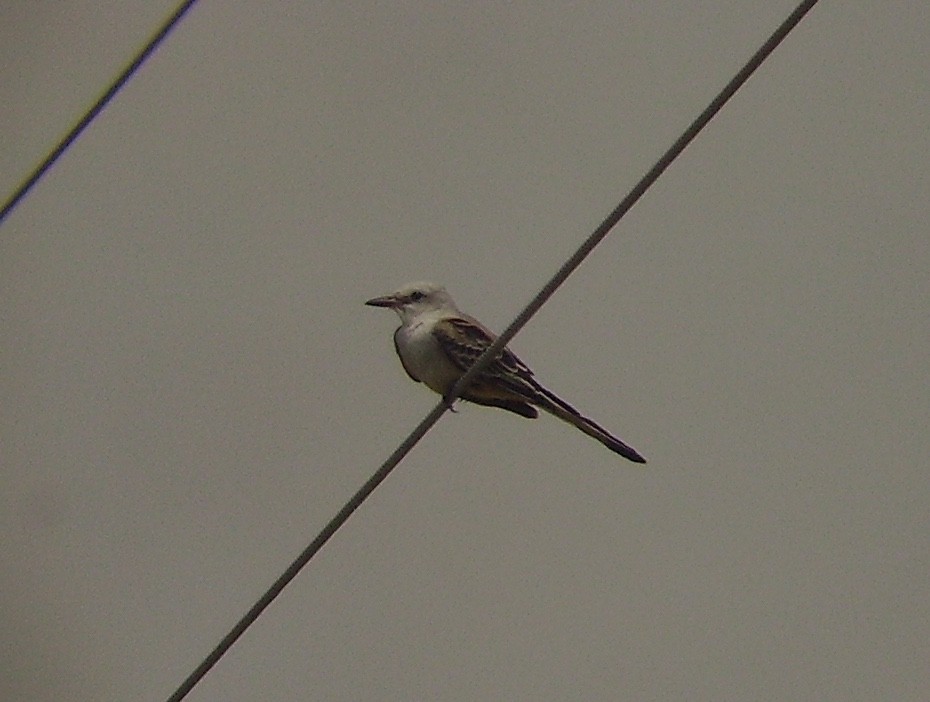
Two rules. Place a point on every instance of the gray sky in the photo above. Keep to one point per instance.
(192, 386)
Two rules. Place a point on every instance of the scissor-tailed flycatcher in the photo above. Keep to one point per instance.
(437, 343)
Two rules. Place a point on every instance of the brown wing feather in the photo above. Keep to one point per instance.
(463, 341)
(508, 383)
(470, 340)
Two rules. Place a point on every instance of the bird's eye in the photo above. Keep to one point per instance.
(416, 295)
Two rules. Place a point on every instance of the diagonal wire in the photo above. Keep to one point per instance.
(95, 109)
(548, 289)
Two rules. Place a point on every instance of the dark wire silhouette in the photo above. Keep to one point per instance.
(97, 107)
(548, 289)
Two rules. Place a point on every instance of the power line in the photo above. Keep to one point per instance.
(548, 289)
(97, 107)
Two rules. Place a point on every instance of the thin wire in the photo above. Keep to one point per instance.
(294, 568)
(570, 265)
(97, 107)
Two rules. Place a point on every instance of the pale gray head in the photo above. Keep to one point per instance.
(414, 299)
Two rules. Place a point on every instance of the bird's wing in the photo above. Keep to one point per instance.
(464, 339)
(507, 382)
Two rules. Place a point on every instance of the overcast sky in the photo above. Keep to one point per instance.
(192, 386)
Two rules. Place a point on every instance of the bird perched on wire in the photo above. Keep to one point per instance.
(437, 343)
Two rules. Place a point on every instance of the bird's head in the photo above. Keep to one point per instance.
(415, 299)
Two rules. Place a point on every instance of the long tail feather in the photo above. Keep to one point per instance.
(558, 407)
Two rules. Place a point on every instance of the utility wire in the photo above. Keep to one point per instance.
(97, 107)
(548, 289)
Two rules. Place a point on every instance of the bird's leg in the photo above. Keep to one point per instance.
(450, 403)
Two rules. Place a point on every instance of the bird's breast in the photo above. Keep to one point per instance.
(423, 358)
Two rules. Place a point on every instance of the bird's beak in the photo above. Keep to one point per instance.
(384, 301)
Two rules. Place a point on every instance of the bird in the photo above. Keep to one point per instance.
(437, 343)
